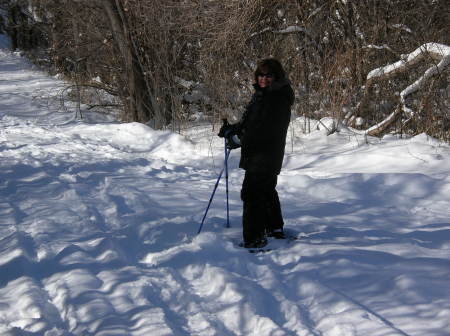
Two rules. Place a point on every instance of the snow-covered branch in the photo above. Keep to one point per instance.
(379, 47)
(435, 50)
(438, 49)
(402, 27)
(287, 30)
(291, 29)
(439, 52)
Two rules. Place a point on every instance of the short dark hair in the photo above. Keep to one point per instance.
(270, 65)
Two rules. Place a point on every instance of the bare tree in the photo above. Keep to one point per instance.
(154, 56)
(139, 102)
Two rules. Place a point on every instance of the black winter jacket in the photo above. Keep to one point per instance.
(263, 128)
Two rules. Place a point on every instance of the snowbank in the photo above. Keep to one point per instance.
(98, 223)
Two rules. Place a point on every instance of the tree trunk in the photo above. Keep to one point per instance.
(138, 99)
(12, 26)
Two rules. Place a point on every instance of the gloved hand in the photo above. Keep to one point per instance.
(226, 130)
(229, 132)
(233, 141)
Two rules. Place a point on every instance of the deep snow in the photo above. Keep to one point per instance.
(98, 223)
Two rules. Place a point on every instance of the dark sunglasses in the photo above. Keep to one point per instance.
(267, 75)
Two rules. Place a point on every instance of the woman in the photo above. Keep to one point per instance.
(262, 133)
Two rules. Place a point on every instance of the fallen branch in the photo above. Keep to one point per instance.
(436, 51)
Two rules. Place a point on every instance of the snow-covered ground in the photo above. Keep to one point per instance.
(98, 225)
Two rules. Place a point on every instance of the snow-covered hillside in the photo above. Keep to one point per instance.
(98, 226)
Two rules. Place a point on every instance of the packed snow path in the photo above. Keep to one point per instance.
(98, 222)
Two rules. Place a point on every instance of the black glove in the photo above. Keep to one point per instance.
(226, 130)
(229, 132)
(233, 141)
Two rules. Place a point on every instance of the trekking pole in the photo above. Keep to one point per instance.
(227, 154)
(225, 122)
(226, 184)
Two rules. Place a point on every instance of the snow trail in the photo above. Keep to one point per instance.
(98, 223)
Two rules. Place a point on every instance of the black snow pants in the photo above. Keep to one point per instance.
(262, 210)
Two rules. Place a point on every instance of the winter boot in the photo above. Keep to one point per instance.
(277, 234)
